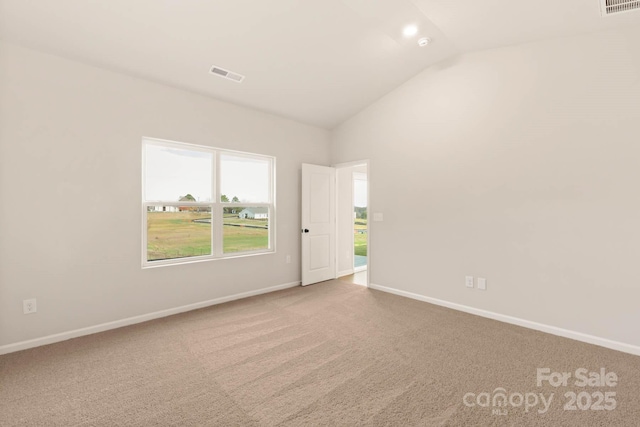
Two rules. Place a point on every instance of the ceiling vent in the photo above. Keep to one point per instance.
(613, 7)
(238, 78)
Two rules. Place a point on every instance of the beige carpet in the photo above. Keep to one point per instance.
(328, 354)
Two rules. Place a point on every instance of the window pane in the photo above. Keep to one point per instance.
(245, 229)
(244, 180)
(178, 232)
(174, 174)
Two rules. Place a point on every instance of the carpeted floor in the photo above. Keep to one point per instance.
(328, 354)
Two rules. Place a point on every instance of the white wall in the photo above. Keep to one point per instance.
(521, 165)
(70, 218)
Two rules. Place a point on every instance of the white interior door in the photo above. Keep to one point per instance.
(318, 223)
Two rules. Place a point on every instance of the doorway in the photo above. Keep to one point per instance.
(336, 238)
(353, 234)
(360, 221)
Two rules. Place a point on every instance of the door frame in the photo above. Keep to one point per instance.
(367, 164)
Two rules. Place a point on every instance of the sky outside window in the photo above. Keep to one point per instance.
(244, 178)
(172, 173)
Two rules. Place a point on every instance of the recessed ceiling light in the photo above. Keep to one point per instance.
(410, 30)
(424, 41)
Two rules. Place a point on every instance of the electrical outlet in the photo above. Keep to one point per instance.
(468, 281)
(288, 259)
(29, 306)
(482, 283)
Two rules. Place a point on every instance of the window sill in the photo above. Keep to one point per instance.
(194, 260)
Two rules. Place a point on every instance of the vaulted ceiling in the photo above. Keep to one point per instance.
(315, 61)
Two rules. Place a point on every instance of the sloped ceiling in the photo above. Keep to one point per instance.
(318, 62)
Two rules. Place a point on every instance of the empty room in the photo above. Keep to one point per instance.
(318, 213)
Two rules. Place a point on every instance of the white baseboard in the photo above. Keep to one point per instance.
(578, 336)
(345, 273)
(63, 336)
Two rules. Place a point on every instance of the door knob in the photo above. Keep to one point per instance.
(306, 230)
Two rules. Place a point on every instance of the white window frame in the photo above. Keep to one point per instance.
(215, 204)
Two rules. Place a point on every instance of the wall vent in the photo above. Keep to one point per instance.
(221, 72)
(613, 7)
